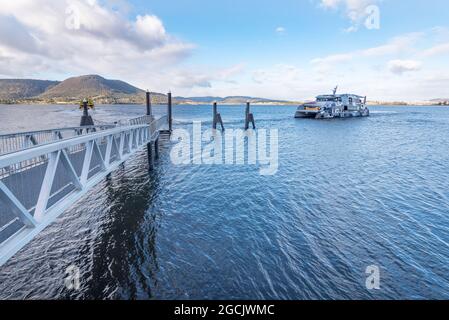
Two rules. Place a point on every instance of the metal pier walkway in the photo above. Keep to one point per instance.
(42, 173)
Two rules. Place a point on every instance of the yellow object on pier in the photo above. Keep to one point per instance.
(90, 104)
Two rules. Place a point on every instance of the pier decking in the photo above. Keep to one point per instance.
(42, 173)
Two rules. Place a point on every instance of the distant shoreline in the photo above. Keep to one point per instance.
(105, 91)
(386, 104)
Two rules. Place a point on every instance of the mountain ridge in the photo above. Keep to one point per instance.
(11, 89)
(90, 85)
(72, 90)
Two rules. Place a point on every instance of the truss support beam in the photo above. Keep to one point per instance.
(57, 156)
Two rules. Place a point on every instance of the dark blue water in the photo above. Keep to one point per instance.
(348, 194)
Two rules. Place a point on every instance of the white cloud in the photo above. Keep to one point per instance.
(150, 28)
(14, 35)
(35, 42)
(436, 50)
(330, 3)
(278, 74)
(333, 59)
(227, 74)
(280, 30)
(186, 79)
(401, 66)
(396, 46)
(61, 38)
(371, 71)
(355, 10)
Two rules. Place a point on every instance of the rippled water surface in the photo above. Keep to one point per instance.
(348, 194)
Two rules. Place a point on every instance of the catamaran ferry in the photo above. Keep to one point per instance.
(334, 106)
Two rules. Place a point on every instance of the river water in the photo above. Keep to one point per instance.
(348, 194)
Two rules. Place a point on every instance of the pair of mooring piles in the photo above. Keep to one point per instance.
(249, 117)
(86, 120)
(154, 142)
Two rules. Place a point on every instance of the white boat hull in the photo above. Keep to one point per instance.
(329, 115)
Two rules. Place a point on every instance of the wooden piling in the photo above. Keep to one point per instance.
(217, 118)
(249, 117)
(214, 116)
(86, 119)
(85, 108)
(170, 112)
(150, 156)
(149, 109)
(156, 148)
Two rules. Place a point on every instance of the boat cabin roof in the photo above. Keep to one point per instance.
(330, 96)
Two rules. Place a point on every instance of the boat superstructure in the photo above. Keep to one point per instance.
(334, 106)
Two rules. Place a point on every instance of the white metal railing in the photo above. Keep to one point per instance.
(23, 140)
(159, 124)
(141, 120)
(38, 184)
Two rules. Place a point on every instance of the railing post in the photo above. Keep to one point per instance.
(86, 163)
(107, 158)
(47, 184)
(170, 112)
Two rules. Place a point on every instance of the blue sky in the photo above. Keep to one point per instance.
(288, 49)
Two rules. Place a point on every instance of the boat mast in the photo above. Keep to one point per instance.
(335, 90)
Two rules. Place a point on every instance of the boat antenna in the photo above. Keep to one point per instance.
(335, 90)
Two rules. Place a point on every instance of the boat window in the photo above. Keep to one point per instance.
(350, 100)
(327, 99)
